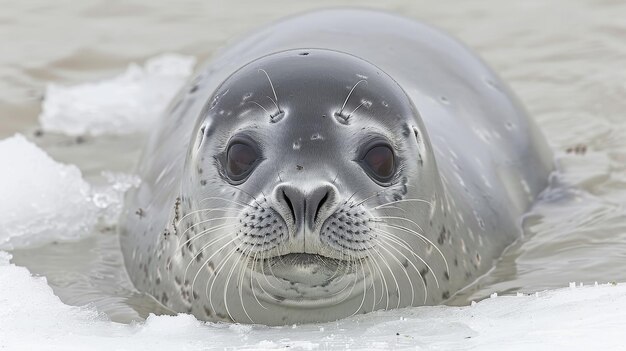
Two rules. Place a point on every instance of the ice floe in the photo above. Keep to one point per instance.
(124, 104)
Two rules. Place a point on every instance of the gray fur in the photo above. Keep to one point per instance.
(311, 90)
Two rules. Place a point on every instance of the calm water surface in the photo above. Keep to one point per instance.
(565, 59)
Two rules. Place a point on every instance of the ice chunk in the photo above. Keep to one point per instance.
(124, 104)
(42, 200)
(110, 198)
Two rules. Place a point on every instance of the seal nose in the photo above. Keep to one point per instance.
(305, 207)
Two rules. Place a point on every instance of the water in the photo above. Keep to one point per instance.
(564, 59)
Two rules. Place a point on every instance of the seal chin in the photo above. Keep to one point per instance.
(306, 280)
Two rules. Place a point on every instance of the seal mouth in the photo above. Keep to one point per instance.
(301, 266)
(304, 259)
(305, 280)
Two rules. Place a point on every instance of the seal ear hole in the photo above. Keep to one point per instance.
(201, 136)
(304, 53)
(417, 135)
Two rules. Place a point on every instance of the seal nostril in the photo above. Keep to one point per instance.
(319, 206)
(290, 205)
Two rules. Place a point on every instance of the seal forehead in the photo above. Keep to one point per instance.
(312, 82)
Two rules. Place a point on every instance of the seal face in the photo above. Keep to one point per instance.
(307, 189)
(300, 164)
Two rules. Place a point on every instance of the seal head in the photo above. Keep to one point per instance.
(296, 193)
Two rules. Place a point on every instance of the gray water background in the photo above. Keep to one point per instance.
(566, 60)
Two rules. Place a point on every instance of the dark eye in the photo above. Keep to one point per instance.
(239, 160)
(380, 162)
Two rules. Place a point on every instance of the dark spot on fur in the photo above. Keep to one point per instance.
(207, 311)
(445, 295)
(579, 149)
(424, 271)
(140, 213)
(442, 236)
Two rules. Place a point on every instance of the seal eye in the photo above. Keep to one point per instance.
(380, 162)
(239, 160)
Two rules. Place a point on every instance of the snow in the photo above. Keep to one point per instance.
(575, 318)
(44, 201)
(124, 104)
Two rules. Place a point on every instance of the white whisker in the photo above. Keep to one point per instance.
(349, 94)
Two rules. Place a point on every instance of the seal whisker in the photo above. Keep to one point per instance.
(373, 281)
(203, 233)
(384, 285)
(373, 195)
(238, 263)
(261, 106)
(392, 208)
(218, 271)
(225, 199)
(349, 94)
(353, 111)
(227, 284)
(403, 243)
(208, 260)
(401, 219)
(265, 275)
(205, 221)
(204, 247)
(406, 273)
(275, 104)
(254, 262)
(351, 285)
(408, 230)
(364, 289)
(393, 276)
(222, 209)
(272, 85)
(403, 200)
(246, 193)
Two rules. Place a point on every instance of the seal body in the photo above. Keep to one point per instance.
(334, 163)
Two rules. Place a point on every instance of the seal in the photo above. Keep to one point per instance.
(334, 163)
